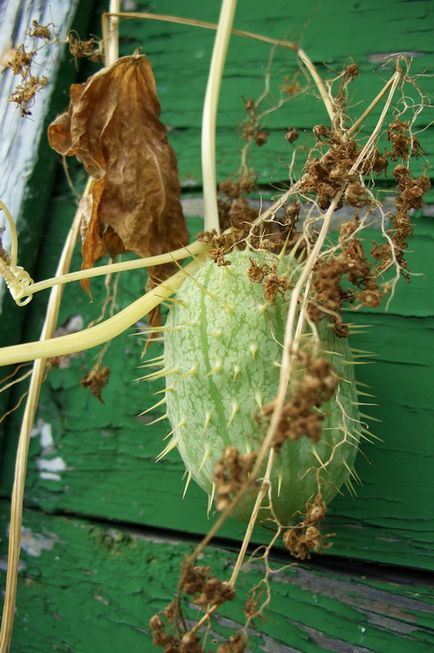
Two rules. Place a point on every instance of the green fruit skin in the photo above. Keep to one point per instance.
(224, 352)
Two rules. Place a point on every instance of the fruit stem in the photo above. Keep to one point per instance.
(210, 114)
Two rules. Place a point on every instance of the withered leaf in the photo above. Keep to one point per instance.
(112, 126)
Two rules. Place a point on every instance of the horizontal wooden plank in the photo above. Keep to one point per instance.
(86, 587)
(98, 459)
(333, 34)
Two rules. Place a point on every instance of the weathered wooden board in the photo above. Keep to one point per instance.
(22, 143)
(27, 165)
(86, 587)
(334, 34)
(98, 459)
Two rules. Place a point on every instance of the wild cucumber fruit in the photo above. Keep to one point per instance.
(222, 348)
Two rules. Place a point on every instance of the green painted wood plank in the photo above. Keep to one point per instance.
(86, 587)
(332, 33)
(100, 459)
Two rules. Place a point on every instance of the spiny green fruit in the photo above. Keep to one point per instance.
(222, 350)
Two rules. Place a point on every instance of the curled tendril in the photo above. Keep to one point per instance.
(17, 279)
(19, 287)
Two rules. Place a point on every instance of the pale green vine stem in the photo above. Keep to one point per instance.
(264, 488)
(15, 276)
(137, 264)
(209, 115)
(355, 126)
(325, 97)
(100, 333)
(376, 132)
(193, 22)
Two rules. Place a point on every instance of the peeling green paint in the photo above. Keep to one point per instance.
(96, 587)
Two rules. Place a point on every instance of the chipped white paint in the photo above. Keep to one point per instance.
(49, 476)
(45, 432)
(129, 5)
(46, 436)
(4, 564)
(51, 464)
(101, 599)
(34, 543)
(50, 468)
(75, 323)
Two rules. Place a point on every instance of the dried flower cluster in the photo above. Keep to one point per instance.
(301, 415)
(329, 272)
(235, 644)
(234, 188)
(329, 174)
(326, 175)
(39, 31)
(250, 129)
(306, 538)
(206, 591)
(272, 282)
(187, 643)
(96, 379)
(403, 145)
(231, 473)
(21, 64)
(89, 48)
(410, 194)
(236, 215)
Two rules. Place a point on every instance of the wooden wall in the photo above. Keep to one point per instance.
(105, 526)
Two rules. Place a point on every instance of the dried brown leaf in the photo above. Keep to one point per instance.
(112, 126)
(96, 379)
